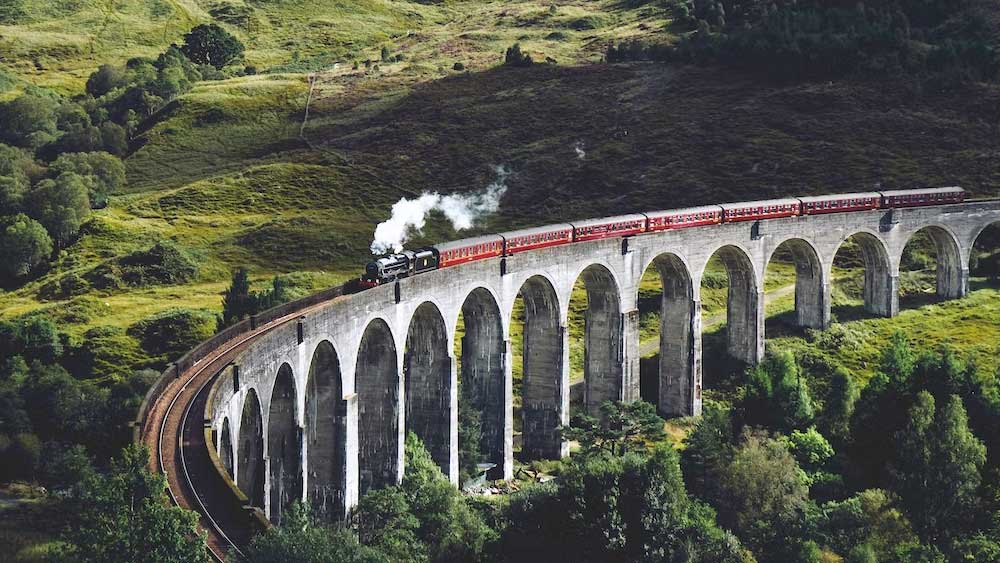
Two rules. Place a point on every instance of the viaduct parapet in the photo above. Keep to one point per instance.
(317, 410)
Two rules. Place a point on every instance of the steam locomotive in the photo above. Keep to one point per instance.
(412, 262)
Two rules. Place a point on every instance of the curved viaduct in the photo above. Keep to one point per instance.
(316, 406)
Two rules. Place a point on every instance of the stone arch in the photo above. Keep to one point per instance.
(603, 331)
(226, 446)
(377, 383)
(812, 289)
(284, 445)
(250, 469)
(990, 267)
(678, 382)
(744, 318)
(326, 433)
(427, 381)
(544, 386)
(951, 272)
(880, 284)
(484, 374)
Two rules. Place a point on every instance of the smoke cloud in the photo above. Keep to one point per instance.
(462, 210)
(580, 153)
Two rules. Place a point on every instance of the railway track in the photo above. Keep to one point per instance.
(173, 430)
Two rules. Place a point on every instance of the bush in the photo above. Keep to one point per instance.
(62, 205)
(24, 244)
(209, 44)
(514, 57)
(458, 67)
(70, 285)
(172, 333)
(103, 173)
(162, 264)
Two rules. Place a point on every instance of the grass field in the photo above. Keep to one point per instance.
(235, 175)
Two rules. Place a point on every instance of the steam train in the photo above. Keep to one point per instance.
(412, 262)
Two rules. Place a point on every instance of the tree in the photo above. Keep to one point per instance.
(777, 396)
(13, 179)
(125, 516)
(622, 427)
(29, 120)
(24, 244)
(62, 205)
(105, 79)
(708, 449)
(615, 508)
(385, 523)
(299, 539)
(762, 490)
(810, 448)
(836, 417)
(470, 435)
(236, 302)
(938, 468)
(103, 173)
(209, 44)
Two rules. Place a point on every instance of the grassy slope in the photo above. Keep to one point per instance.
(225, 173)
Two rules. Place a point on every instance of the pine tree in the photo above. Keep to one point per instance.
(237, 303)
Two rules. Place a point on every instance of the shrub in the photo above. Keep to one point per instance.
(24, 244)
(458, 67)
(172, 333)
(162, 264)
(209, 44)
(61, 205)
(514, 57)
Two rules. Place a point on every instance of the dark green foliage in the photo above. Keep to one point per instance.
(938, 468)
(470, 436)
(70, 285)
(105, 79)
(762, 493)
(105, 352)
(125, 516)
(63, 466)
(21, 454)
(709, 447)
(13, 179)
(29, 120)
(835, 420)
(514, 57)
(24, 244)
(424, 518)
(209, 44)
(458, 66)
(620, 428)
(31, 339)
(239, 302)
(621, 508)
(386, 54)
(173, 332)
(61, 205)
(163, 264)
(12, 12)
(777, 396)
(870, 519)
(236, 302)
(103, 173)
(300, 539)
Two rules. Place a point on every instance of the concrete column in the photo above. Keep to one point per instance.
(508, 412)
(745, 323)
(630, 356)
(680, 357)
(428, 376)
(812, 293)
(452, 472)
(545, 384)
(881, 292)
(352, 477)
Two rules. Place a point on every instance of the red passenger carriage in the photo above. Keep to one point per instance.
(838, 203)
(467, 250)
(538, 237)
(681, 218)
(607, 227)
(923, 196)
(756, 210)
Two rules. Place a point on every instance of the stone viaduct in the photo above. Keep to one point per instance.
(318, 409)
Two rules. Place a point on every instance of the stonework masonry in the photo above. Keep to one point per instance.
(318, 410)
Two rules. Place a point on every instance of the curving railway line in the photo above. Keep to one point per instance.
(173, 430)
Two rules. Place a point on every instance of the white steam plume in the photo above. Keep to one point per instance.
(580, 153)
(462, 210)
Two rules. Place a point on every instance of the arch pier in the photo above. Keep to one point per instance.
(317, 409)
